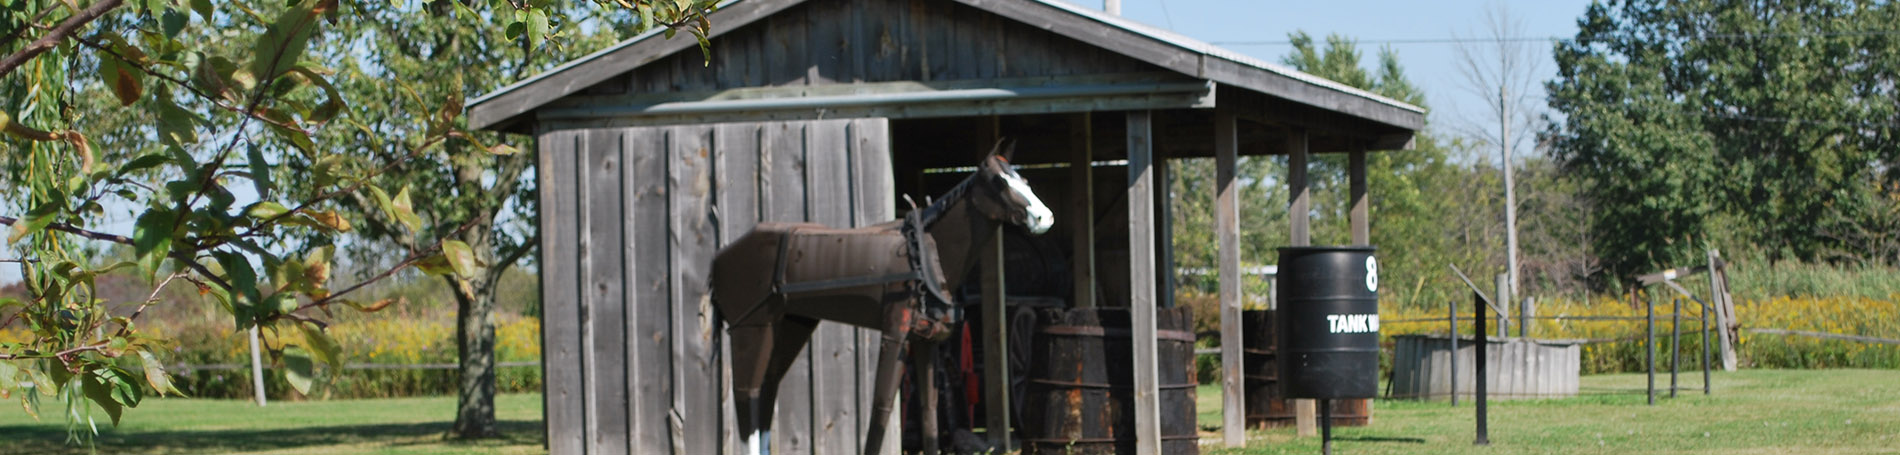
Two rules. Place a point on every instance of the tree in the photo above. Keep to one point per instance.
(1768, 124)
(206, 107)
(485, 201)
(1502, 72)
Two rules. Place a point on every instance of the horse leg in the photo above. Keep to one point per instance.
(762, 354)
(897, 318)
(923, 355)
(751, 352)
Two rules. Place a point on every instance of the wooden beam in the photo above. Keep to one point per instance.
(1141, 281)
(1227, 231)
(1082, 206)
(995, 345)
(995, 329)
(1299, 221)
(1299, 198)
(1164, 233)
(1361, 212)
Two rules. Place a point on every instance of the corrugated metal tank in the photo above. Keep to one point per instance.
(1517, 367)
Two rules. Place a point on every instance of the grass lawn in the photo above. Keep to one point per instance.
(1751, 412)
(180, 426)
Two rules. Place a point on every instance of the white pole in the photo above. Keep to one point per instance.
(257, 368)
(1113, 7)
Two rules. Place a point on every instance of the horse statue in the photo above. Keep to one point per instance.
(773, 285)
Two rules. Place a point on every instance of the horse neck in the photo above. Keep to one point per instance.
(962, 232)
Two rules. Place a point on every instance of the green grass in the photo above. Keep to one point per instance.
(196, 426)
(1750, 412)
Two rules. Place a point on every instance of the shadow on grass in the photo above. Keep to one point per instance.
(51, 439)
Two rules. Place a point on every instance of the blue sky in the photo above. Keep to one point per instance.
(1430, 65)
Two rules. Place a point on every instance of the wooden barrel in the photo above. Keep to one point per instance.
(1080, 397)
(1265, 408)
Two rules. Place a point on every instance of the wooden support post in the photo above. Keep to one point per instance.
(995, 345)
(1141, 281)
(1299, 219)
(1299, 198)
(1361, 212)
(1227, 230)
(1453, 306)
(1164, 233)
(1718, 299)
(1082, 207)
(1675, 343)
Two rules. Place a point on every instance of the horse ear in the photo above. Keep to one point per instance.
(995, 150)
(1009, 151)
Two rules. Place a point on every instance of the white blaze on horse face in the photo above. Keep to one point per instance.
(1039, 217)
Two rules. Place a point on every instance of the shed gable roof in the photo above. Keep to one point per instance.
(1147, 46)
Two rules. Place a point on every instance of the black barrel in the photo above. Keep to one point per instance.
(1327, 322)
(1265, 407)
(1080, 396)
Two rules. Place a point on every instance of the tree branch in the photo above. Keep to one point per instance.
(509, 258)
(69, 229)
(57, 34)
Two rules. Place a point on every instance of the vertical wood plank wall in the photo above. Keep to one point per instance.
(632, 218)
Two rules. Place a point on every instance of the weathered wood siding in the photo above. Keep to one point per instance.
(826, 42)
(631, 220)
(1517, 367)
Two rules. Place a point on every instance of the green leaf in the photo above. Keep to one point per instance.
(461, 258)
(537, 28)
(260, 172)
(36, 220)
(266, 210)
(203, 8)
(325, 348)
(173, 21)
(7, 381)
(152, 239)
(113, 390)
(141, 163)
(240, 275)
(156, 376)
(299, 371)
(284, 42)
(405, 211)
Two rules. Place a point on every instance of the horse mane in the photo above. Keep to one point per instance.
(935, 210)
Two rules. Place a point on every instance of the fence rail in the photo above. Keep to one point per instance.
(1831, 336)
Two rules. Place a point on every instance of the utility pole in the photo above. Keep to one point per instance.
(1113, 7)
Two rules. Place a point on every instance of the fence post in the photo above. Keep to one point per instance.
(1504, 305)
(1453, 305)
(1477, 300)
(1705, 339)
(1675, 344)
(1649, 310)
(1526, 310)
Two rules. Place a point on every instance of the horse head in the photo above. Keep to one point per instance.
(1007, 197)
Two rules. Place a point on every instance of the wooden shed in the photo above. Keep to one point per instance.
(652, 157)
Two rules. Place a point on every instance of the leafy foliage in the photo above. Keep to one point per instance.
(1750, 123)
(214, 125)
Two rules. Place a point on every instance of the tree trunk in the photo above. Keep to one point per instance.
(475, 342)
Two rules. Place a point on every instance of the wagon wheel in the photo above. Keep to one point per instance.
(1022, 334)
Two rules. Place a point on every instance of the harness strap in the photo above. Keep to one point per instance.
(847, 282)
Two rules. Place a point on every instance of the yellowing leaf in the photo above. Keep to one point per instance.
(461, 258)
(331, 219)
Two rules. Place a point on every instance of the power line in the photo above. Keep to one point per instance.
(1517, 39)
